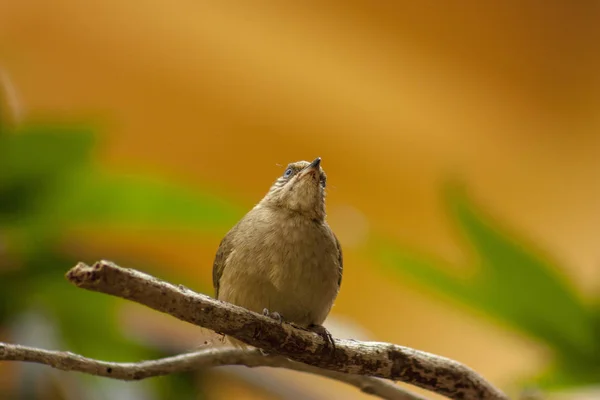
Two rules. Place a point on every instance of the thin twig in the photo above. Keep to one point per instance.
(435, 373)
(213, 357)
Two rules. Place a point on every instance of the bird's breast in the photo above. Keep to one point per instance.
(287, 264)
(297, 252)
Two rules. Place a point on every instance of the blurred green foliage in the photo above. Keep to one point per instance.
(512, 283)
(49, 184)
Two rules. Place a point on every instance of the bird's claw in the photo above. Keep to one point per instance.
(326, 335)
(318, 329)
(275, 315)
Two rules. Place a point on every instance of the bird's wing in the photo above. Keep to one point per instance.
(340, 258)
(225, 249)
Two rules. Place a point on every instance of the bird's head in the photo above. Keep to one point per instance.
(300, 189)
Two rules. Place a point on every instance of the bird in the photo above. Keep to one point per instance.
(282, 259)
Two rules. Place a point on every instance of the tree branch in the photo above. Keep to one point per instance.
(384, 360)
(213, 357)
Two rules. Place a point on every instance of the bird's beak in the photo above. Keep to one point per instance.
(311, 169)
(315, 164)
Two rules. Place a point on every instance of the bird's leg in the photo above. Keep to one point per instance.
(275, 315)
(325, 334)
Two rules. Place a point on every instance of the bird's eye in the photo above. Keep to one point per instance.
(288, 172)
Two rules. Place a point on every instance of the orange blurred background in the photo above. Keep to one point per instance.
(394, 97)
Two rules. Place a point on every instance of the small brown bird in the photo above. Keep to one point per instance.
(281, 258)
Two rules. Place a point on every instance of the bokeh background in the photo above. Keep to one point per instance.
(460, 141)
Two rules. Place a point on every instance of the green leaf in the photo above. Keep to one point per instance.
(563, 374)
(188, 385)
(96, 198)
(45, 150)
(32, 160)
(513, 283)
(522, 285)
(423, 269)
